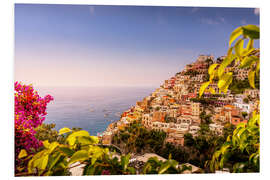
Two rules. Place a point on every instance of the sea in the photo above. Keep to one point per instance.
(90, 108)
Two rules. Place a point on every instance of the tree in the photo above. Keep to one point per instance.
(243, 145)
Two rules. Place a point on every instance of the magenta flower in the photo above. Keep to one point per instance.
(29, 112)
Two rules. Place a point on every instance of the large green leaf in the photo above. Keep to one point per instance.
(251, 31)
(67, 151)
(251, 78)
(212, 91)
(239, 47)
(212, 68)
(164, 167)
(235, 34)
(64, 130)
(53, 160)
(94, 139)
(258, 68)
(81, 155)
(248, 61)
(85, 140)
(46, 144)
(227, 61)
(52, 146)
(224, 81)
(250, 45)
(224, 147)
(95, 156)
(44, 162)
(71, 139)
(203, 87)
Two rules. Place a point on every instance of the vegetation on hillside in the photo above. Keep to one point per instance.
(243, 145)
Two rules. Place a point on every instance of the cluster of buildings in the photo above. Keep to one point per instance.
(172, 108)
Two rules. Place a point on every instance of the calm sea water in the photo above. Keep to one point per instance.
(90, 108)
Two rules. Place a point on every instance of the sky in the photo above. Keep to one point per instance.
(86, 45)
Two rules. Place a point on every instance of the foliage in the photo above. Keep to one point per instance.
(110, 166)
(191, 73)
(205, 118)
(170, 166)
(241, 151)
(244, 57)
(200, 148)
(239, 86)
(245, 141)
(29, 113)
(57, 159)
(135, 138)
(204, 101)
(81, 149)
(47, 132)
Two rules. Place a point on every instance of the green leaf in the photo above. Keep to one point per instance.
(131, 170)
(89, 170)
(224, 81)
(235, 34)
(147, 168)
(258, 68)
(251, 31)
(203, 87)
(239, 46)
(22, 154)
(81, 155)
(72, 137)
(229, 53)
(95, 156)
(53, 160)
(88, 140)
(67, 151)
(223, 65)
(164, 167)
(251, 78)
(44, 162)
(94, 139)
(250, 44)
(52, 146)
(248, 61)
(211, 68)
(224, 147)
(46, 144)
(212, 91)
(85, 140)
(125, 161)
(64, 130)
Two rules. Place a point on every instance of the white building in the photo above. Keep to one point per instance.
(243, 106)
(216, 128)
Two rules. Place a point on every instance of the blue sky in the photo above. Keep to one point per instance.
(80, 45)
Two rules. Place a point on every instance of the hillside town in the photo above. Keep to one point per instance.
(176, 108)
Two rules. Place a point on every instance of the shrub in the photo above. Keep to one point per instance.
(30, 111)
